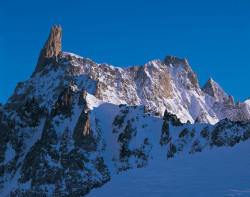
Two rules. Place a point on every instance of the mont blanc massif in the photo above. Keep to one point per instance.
(79, 128)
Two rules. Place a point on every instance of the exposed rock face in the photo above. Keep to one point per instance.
(83, 126)
(51, 49)
(213, 89)
(239, 104)
(176, 62)
(225, 104)
(231, 100)
(147, 79)
(82, 101)
(64, 103)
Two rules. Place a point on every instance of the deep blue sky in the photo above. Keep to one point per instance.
(214, 36)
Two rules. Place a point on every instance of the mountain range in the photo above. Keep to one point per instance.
(75, 123)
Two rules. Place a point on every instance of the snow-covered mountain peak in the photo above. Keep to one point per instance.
(213, 89)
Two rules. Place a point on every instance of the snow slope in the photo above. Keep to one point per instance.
(218, 172)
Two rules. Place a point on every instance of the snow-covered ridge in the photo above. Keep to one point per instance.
(159, 85)
(65, 54)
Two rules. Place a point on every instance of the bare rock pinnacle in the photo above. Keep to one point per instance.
(51, 49)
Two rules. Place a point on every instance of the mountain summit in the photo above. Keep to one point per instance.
(213, 89)
(51, 48)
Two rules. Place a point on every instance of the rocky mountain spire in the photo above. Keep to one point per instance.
(51, 48)
(213, 89)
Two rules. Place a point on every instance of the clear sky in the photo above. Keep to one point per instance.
(214, 36)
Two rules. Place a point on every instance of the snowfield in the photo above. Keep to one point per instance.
(217, 172)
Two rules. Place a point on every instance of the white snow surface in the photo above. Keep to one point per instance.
(9, 153)
(65, 54)
(219, 172)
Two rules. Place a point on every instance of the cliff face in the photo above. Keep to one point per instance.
(51, 49)
(213, 89)
(75, 123)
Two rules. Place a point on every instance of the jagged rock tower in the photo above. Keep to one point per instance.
(51, 49)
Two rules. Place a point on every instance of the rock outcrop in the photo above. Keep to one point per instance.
(213, 89)
(51, 49)
(176, 62)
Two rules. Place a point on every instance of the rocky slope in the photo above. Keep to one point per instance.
(74, 123)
